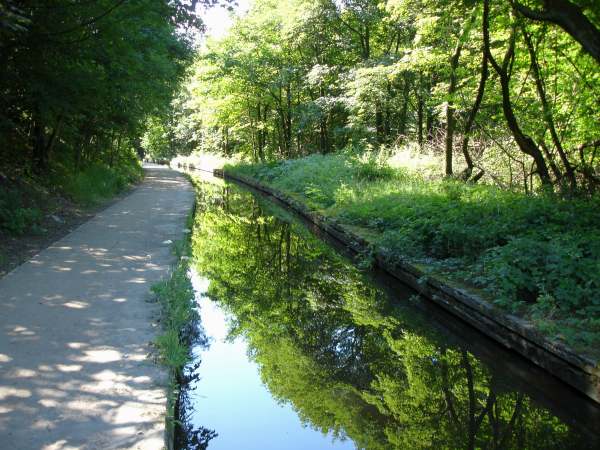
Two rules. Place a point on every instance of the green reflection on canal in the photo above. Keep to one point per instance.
(350, 360)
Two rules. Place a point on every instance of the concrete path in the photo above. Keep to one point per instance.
(75, 324)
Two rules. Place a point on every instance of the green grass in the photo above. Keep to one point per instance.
(26, 199)
(98, 182)
(537, 256)
(17, 219)
(178, 318)
(176, 297)
(21, 204)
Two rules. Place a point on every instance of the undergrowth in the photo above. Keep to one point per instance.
(179, 322)
(26, 198)
(21, 206)
(97, 182)
(534, 255)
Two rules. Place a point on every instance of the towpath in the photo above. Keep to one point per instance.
(75, 326)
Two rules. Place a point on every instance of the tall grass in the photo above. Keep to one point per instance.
(99, 182)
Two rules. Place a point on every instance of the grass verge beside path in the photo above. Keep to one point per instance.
(534, 256)
(178, 317)
(180, 330)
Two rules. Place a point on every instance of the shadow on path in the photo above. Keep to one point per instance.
(76, 323)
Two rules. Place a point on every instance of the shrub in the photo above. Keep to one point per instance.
(15, 218)
(98, 182)
(374, 169)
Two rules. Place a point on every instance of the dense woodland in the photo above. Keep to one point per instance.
(79, 81)
(79, 78)
(507, 90)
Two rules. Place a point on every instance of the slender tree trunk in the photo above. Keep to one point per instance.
(288, 120)
(526, 144)
(471, 117)
(261, 133)
(404, 110)
(429, 121)
(253, 132)
(420, 114)
(379, 123)
(570, 173)
(450, 121)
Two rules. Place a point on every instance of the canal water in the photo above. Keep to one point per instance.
(300, 348)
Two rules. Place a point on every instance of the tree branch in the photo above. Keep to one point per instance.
(570, 18)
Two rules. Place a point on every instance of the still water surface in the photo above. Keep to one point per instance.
(302, 350)
(232, 399)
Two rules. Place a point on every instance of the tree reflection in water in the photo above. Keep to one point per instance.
(348, 359)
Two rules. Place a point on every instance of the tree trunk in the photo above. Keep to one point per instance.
(450, 121)
(288, 119)
(471, 117)
(404, 110)
(420, 114)
(548, 111)
(379, 124)
(525, 143)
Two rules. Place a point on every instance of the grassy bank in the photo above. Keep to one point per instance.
(178, 317)
(25, 199)
(98, 182)
(180, 330)
(536, 256)
(36, 210)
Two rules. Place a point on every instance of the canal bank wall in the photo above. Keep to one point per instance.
(578, 371)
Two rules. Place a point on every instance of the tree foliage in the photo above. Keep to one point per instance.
(80, 79)
(506, 90)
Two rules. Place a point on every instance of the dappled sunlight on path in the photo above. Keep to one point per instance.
(76, 323)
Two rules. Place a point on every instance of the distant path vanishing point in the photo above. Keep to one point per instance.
(75, 324)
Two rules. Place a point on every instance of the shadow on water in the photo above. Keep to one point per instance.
(354, 357)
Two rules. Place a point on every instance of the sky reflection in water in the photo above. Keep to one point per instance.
(232, 400)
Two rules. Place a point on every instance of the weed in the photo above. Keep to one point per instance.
(15, 217)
